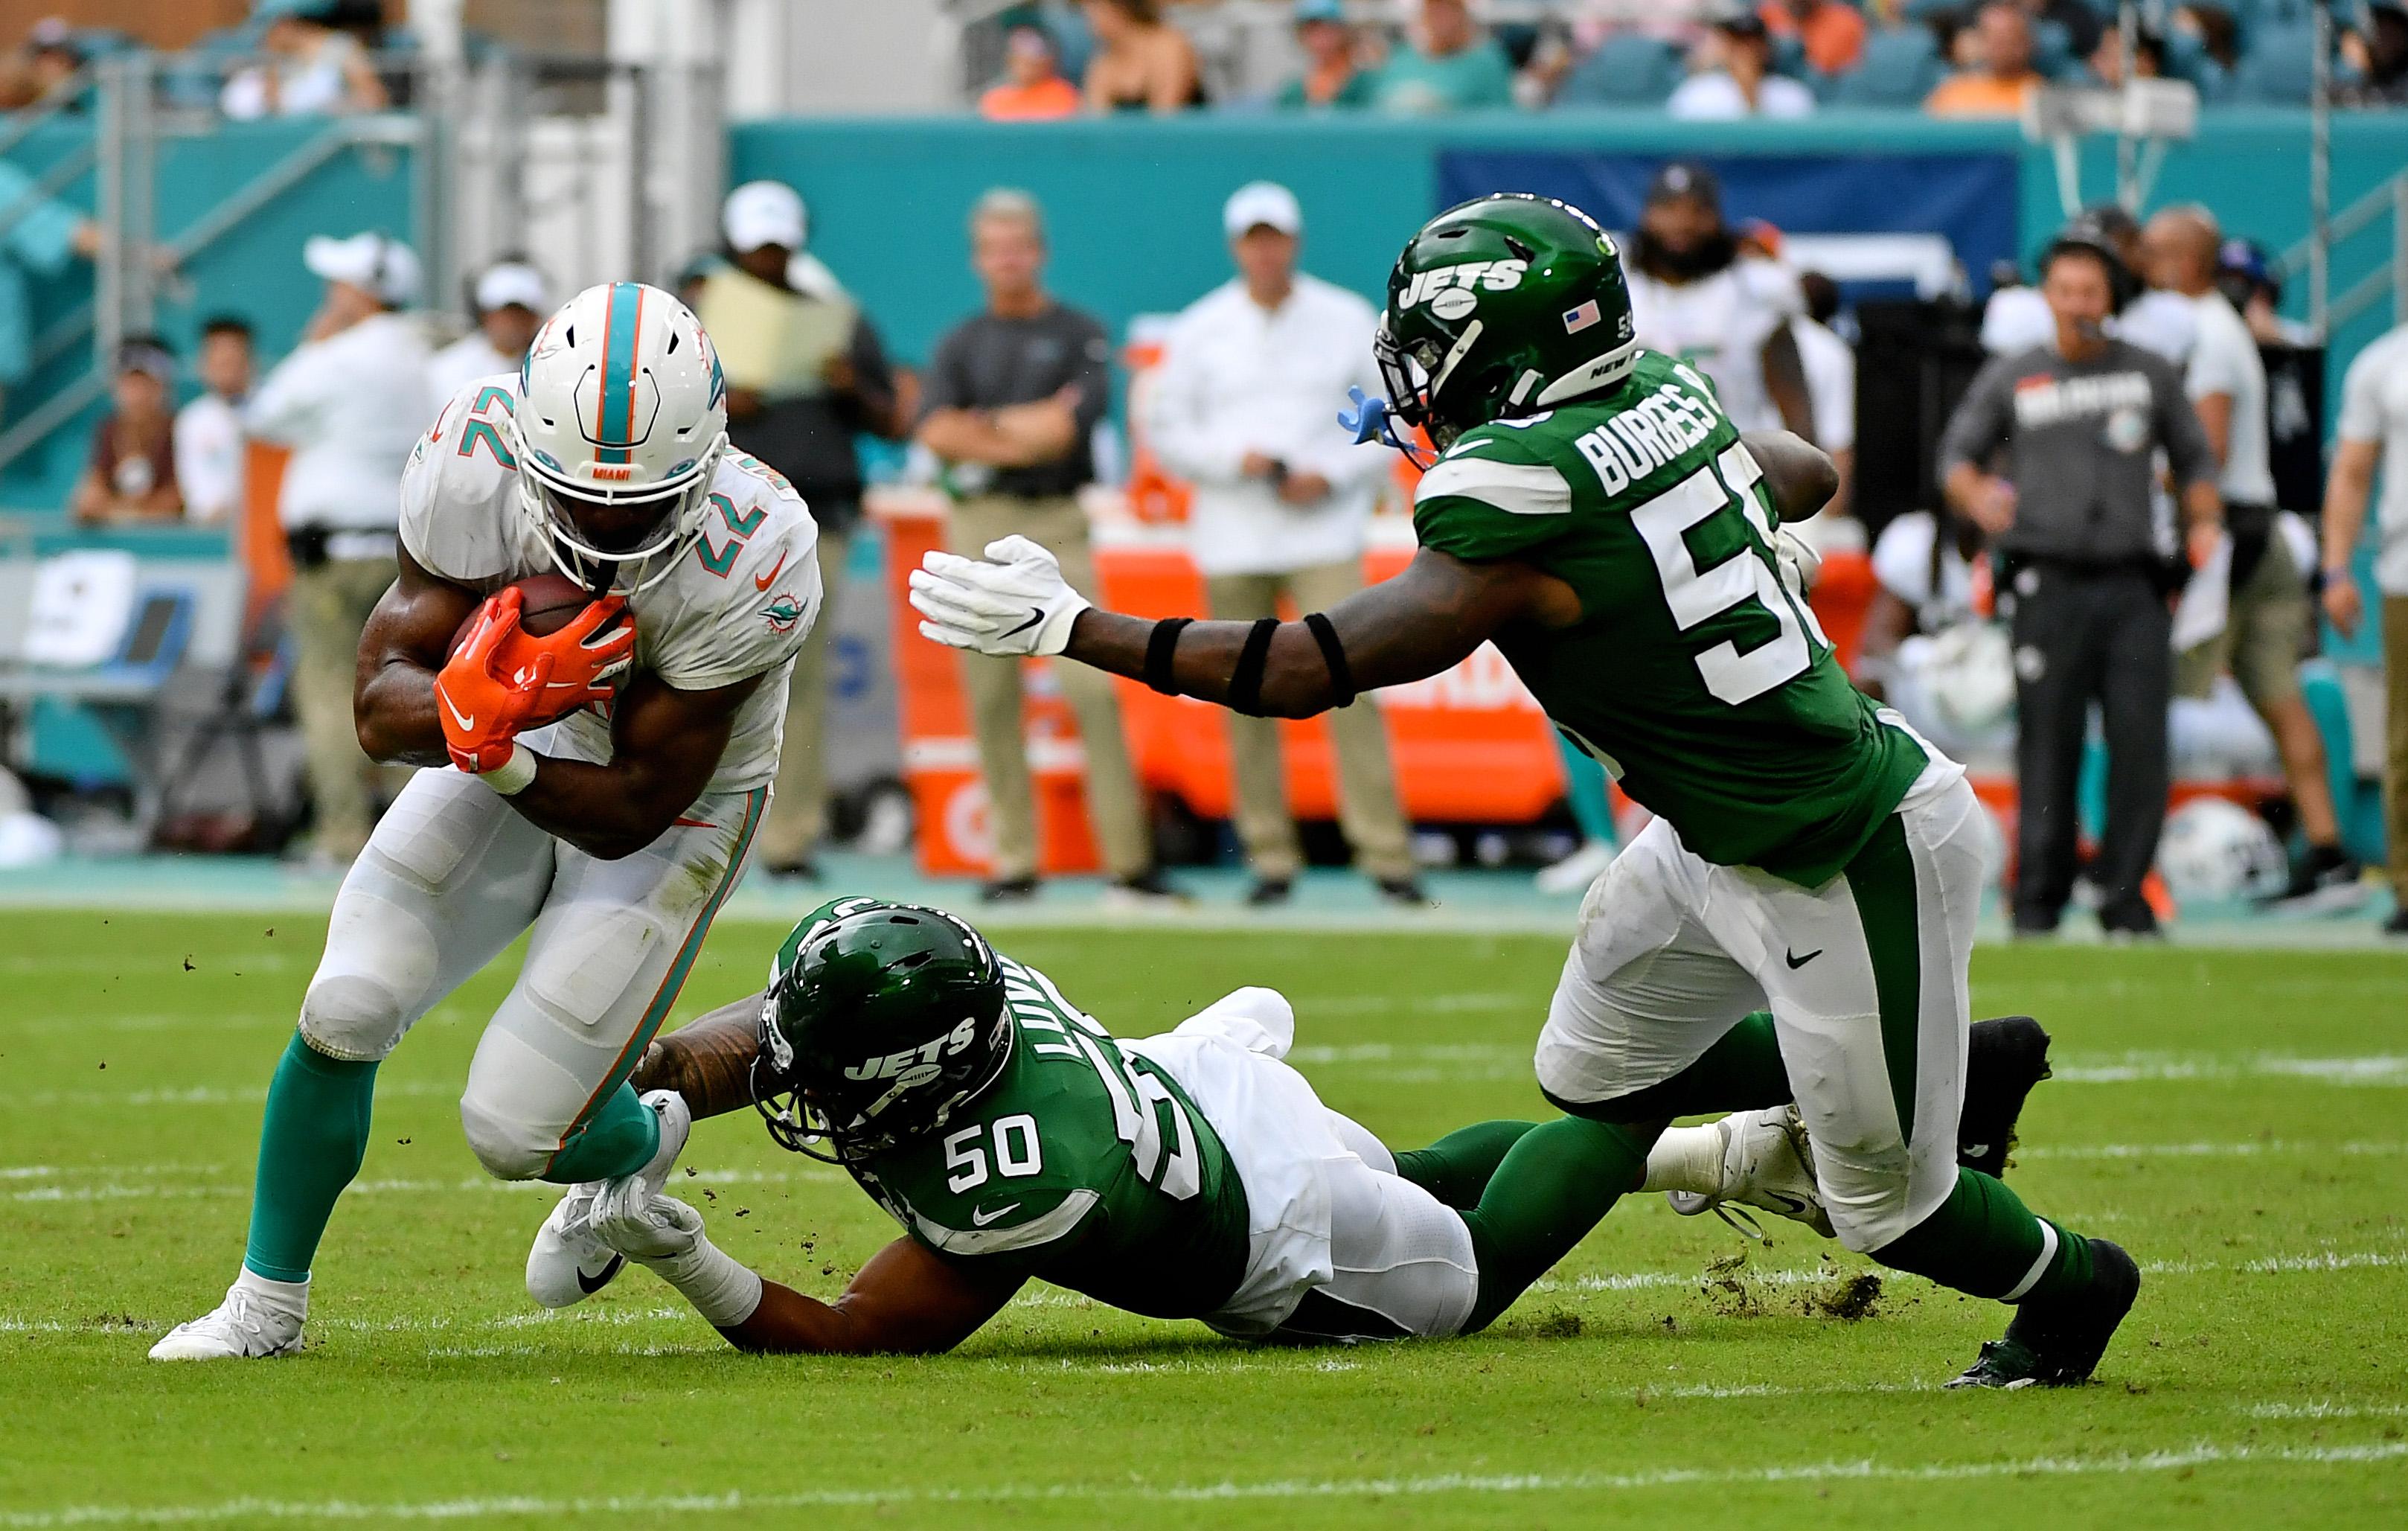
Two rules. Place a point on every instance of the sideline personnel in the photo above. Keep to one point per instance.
(1014, 393)
(2080, 420)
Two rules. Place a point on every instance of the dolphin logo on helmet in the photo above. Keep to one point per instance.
(622, 422)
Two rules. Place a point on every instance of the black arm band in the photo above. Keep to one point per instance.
(1341, 680)
(1161, 646)
(1246, 681)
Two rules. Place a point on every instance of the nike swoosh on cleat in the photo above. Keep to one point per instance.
(981, 1217)
(592, 1284)
(762, 582)
(1797, 961)
(1034, 618)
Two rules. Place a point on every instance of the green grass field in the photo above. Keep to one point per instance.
(2234, 1118)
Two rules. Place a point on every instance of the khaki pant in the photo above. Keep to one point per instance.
(2395, 741)
(325, 610)
(2264, 638)
(798, 808)
(1114, 806)
(1367, 786)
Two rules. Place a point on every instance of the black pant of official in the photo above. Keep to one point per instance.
(2084, 634)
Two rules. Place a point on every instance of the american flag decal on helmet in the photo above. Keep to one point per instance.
(1576, 319)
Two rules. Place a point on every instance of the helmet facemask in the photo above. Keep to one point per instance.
(844, 1123)
(551, 503)
(1415, 371)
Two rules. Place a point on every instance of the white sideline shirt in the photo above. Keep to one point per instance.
(209, 458)
(2374, 408)
(1236, 377)
(463, 362)
(2224, 360)
(1719, 323)
(351, 407)
(1831, 368)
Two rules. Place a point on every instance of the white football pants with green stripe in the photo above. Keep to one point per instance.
(1865, 978)
(451, 877)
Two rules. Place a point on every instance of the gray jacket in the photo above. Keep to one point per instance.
(2081, 440)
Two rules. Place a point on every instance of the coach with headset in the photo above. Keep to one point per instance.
(2076, 424)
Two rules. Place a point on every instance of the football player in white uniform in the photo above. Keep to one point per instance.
(603, 788)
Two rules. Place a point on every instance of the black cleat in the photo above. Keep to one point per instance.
(2059, 1344)
(1269, 890)
(2006, 1056)
(1008, 890)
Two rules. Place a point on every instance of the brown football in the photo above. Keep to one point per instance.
(547, 603)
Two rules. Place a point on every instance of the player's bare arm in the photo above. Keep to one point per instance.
(907, 1301)
(1784, 380)
(710, 1061)
(665, 744)
(1800, 475)
(1421, 623)
(401, 651)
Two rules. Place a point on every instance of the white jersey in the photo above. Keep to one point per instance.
(739, 603)
(1719, 325)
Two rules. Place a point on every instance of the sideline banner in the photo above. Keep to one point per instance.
(1969, 199)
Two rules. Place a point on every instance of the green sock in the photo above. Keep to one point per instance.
(1983, 1241)
(310, 1146)
(1456, 1168)
(615, 1140)
(1554, 1185)
(1742, 1072)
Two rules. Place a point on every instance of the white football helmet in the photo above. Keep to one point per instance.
(2214, 849)
(623, 411)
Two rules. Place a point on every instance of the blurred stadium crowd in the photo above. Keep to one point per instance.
(1010, 424)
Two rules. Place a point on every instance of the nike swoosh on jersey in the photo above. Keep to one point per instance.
(981, 1217)
(1797, 961)
(762, 582)
(464, 722)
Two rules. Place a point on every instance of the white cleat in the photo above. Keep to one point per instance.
(244, 1327)
(1769, 1165)
(567, 1264)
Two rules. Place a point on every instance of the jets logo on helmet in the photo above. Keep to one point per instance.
(1502, 307)
(882, 1020)
(622, 421)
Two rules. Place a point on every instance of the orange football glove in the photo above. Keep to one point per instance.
(482, 707)
(585, 660)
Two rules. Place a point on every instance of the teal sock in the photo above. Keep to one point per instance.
(310, 1145)
(1742, 1072)
(1584, 791)
(1456, 1168)
(614, 1141)
(1983, 1241)
(1554, 1185)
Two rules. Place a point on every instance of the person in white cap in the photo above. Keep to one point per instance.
(799, 408)
(509, 299)
(1244, 408)
(350, 401)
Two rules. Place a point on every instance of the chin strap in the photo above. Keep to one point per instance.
(1370, 420)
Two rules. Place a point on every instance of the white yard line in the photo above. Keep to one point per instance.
(738, 1503)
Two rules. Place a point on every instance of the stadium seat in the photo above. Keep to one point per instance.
(2279, 69)
(1628, 69)
(1899, 69)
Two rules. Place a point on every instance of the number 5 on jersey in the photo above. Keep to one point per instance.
(1697, 595)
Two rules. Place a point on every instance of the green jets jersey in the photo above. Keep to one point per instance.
(1083, 1166)
(1695, 676)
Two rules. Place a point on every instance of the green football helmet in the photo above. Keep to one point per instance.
(1500, 307)
(880, 1019)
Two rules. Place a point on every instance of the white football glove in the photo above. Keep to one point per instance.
(1799, 563)
(1013, 602)
(644, 1225)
